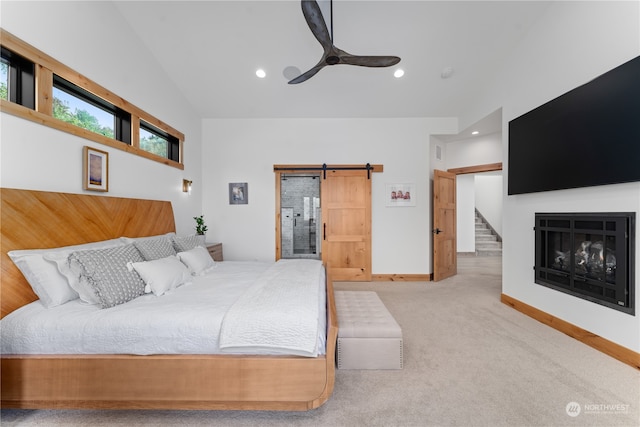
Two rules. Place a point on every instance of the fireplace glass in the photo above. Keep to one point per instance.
(588, 255)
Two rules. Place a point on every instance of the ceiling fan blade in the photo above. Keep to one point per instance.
(369, 61)
(333, 55)
(307, 75)
(315, 20)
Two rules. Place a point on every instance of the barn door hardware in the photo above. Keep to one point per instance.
(324, 168)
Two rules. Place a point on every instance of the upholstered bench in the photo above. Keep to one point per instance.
(368, 335)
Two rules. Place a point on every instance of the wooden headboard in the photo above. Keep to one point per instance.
(41, 220)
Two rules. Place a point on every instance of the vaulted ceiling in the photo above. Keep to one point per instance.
(212, 49)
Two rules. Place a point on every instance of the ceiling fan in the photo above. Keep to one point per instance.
(333, 55)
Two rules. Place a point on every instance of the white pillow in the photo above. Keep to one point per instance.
(161, 275)
(197, 260)
(60, 257)
(42, 271)
(46, 281)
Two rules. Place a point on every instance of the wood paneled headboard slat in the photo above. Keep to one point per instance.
(40, 220)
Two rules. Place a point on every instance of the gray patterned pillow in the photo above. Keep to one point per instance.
(106, 271)
(186, 243)
(155, 248)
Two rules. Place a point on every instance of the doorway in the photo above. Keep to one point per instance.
(334, 215)
(300, 215)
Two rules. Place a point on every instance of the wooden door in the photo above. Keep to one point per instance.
(346, 228)
(444, 225)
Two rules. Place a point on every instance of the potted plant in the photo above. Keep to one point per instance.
(201, 227)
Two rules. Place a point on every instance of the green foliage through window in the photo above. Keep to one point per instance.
(4, 80)
(159, 142)
(82, 114)
(153, 143)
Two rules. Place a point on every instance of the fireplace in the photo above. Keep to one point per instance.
(588, 255)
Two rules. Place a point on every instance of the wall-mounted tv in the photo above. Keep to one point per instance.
(589, 136)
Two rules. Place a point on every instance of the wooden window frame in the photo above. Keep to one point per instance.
(45, 68)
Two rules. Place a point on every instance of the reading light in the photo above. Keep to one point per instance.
(261, 73)
(398, 73)
(186, 186)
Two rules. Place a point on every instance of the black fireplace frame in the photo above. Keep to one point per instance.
(617, 292)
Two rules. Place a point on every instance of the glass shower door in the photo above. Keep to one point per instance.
(300, 216)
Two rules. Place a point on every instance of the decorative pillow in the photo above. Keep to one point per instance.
(43, 272)
(107, 273)
(79, 282)
(185, 243)
(155, 248)
(60, 258)
(161, 275)
(170, 235)
(197, 260)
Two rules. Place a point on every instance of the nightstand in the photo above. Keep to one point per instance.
(215, 250)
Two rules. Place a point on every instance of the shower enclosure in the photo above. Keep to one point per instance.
(300, 215)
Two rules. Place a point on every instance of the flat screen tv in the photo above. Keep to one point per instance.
(589, 136)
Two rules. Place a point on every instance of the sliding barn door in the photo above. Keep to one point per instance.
(346, 228)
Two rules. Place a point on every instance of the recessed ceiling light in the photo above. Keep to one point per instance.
(475, 132)
(398, 73)
(261, 73)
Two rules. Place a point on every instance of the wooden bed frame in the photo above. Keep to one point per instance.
(36, 219)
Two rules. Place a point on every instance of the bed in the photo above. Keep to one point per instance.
(128, 381)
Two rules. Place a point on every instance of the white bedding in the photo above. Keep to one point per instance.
(279, 313)
(185, 321)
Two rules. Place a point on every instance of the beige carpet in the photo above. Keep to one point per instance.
(469, 361)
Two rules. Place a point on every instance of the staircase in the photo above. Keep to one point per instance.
(488, 243)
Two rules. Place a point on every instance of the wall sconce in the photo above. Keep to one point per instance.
(186, 186)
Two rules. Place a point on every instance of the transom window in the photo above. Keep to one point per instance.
(157, 142)
(4, 79)
(72, 103)
(18, 79)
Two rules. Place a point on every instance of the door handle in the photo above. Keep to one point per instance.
(324, 231)
(436, 231)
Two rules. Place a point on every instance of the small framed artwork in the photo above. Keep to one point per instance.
(238, 193)
(95, 169)
(400, 194)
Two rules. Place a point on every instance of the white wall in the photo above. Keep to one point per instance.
(238, 150)
(572, 44)
(482, 191)
(465, 213)
(488, 194)
(483, 150)
(37, 157)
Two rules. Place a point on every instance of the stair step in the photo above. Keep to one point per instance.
(483, 232)
(486, 237)
(494, 252)
(488, 245)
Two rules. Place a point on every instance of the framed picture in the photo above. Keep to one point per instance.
(238, 193)
(401, 194)
(95, 169)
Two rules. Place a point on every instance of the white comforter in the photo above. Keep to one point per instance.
(185, 321)
(279, 313)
